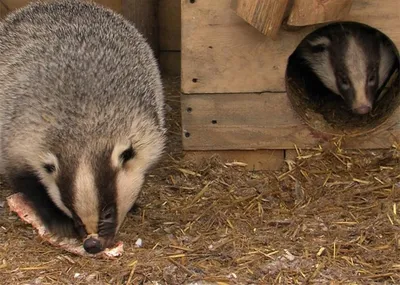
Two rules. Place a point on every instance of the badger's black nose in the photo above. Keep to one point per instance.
(92, 245)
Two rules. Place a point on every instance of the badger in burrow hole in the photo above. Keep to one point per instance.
(81, 115)
(351, 60)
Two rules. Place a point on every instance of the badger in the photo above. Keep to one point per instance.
(353, 62)
(81, 116)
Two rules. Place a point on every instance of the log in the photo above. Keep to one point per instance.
(311, 12)
(265, 15)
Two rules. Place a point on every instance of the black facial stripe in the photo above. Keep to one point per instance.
(105, 179)
(65, 183)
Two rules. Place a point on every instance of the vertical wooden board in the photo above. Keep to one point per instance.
(169, 19)
(265, 15)
(223, 54)
(254, 160)
(170, 62)
(310, 12)
(143, 14)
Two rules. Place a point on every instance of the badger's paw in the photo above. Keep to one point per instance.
(26, 212)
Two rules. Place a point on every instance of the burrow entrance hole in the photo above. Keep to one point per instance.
(326, 111)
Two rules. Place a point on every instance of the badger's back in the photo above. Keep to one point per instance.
(70, 70)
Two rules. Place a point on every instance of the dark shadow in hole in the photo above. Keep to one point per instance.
(327, 112)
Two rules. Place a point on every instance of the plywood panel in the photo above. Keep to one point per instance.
(170, 25)
(261, 121)
(221, 53)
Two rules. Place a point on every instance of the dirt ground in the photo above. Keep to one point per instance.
(328, 217)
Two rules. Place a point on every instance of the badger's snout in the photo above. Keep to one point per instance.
(92, 245)
(362, 109)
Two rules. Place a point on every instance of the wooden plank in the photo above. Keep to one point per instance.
(169, 18)
(170, 62)
(255, 160)
(262, 121)
(310, 12)
(265, 15)
(143, 13)
(223, 54)
(290, 154)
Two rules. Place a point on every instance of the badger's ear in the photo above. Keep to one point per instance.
(319, 44)
(122, 154)
(49, 163)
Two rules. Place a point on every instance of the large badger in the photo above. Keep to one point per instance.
(352, 61)
(81, 116)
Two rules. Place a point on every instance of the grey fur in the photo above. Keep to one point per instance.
(75, 79)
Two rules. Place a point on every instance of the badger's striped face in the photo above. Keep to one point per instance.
(353, 67)
(98, 187)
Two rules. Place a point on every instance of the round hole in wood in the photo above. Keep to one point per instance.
(194, 80)
(192, 1)
(214, 122)
(323, 109)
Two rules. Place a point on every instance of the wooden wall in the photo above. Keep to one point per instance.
(169, 14)
(233, 80)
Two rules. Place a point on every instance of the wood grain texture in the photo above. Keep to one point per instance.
(255, 159)
(223, 54)
(262, 121)
(144, 14)
(169, 19)
(310, 12)
(264, 15)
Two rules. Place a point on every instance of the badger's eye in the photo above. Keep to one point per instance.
(371, 79)
(344, 82)
(127, 154)
(318, 48)
(50, 168)
(108, 214)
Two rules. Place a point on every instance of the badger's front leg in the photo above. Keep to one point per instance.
(53, 218)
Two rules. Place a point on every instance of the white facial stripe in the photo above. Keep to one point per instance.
(321, 64)
(54, 193)
(129, 184)
(86, 202)
(356, 65)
